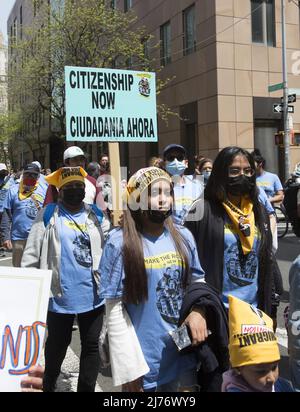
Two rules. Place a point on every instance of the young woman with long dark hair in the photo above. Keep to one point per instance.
(233, 238)
(145, 269)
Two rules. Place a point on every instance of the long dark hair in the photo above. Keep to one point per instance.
(136, 283)
(216, 188)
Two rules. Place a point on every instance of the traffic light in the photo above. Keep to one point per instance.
(279, 139)
(294, 138)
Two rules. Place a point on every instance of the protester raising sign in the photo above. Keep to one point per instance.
(24, 298)
(110, 105)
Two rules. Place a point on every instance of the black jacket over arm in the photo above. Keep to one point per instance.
(209, 236)
(213, 353)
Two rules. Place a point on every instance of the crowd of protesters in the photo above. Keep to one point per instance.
(192, 261)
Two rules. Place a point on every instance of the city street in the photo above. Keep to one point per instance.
(289, 248)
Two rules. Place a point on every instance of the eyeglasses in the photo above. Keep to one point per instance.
(236, 171)
(171, 158)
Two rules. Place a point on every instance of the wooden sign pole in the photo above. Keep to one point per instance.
(115, 170)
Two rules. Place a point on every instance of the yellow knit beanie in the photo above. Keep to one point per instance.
(251, 337)
(141, 180)
(65, 175)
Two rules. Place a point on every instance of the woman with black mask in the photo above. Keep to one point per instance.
(233, 237)
(67, 238)
(145, 269)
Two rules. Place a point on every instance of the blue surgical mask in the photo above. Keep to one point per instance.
(206, 175)
(175, 167)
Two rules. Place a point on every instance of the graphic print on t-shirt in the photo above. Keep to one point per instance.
(31, 209)
(81, 243)
(81, 251)
(241, 268)
(169, 295)
(169, 288)
(2, 195)
(31, 206)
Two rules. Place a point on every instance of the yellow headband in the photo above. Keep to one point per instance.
(251, 337)
(65, 175)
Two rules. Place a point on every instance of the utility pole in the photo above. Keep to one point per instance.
(285, 97)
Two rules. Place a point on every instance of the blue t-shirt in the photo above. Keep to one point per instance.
(240, 272)
(43, 182)
(263, 198)
(270, 183)
(23, 211)
(185, 195)
(4, 189)
(156, 317)
(79, 290)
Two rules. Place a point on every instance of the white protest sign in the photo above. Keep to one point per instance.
(24, 298)
(110, 105)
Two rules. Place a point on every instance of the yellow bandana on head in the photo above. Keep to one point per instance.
(65, 175)
(141, 180)
(251, 337)
(243, 222)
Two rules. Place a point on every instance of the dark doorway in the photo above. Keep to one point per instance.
(189, 132)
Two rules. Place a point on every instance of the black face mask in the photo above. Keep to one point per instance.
(73, 197)
(159, 216)
(105, 167)
(240, 185)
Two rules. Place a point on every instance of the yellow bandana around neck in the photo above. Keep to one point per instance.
(24, 195)
(243, 222)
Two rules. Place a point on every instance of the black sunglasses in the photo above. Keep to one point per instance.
(179, 157)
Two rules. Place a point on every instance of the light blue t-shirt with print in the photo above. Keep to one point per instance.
(23, 211)
(156, 317)
(79, 290)
(270, 183)
(4, 190)
(43, 181)
(185, 195)
(240, 272)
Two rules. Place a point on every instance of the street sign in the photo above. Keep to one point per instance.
(291, 98)
(296, 91)
(278, 108)
(275, 87)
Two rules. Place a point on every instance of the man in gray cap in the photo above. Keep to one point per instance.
(186, 188)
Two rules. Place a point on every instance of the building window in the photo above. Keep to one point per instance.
(128, 63)
(127, 5)
(263, 22)
(146, 47)
(113, 4)
(21, 22)
(15, 31)
(165, 40)
(189, 30)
